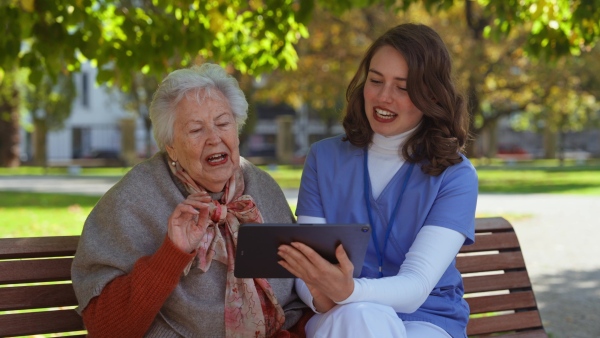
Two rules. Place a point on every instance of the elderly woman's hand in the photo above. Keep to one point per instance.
(189, 221)
(334, 281)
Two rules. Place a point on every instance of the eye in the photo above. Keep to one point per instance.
(375, 81)
(404, 89)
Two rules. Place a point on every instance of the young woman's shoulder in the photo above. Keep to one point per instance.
(464, 170)
(334, 145)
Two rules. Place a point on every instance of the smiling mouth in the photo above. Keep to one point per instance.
(217, 158)
(384, 114)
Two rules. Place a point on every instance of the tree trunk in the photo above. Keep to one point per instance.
(148, 137)
(40, 153)
(489, 136)
(549, 143)
(476, 26)
(9, 130)
(474, 110)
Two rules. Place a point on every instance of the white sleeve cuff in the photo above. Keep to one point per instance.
(310, 220)
(304, 294)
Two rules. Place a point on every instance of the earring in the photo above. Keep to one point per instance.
(173, 163)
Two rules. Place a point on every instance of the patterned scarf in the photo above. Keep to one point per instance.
(242, 317)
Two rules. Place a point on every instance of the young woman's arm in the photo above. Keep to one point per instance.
(428, 258)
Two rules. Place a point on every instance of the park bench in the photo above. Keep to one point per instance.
(36, 296)
(497, 285)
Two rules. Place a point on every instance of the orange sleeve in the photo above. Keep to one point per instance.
(127, 305)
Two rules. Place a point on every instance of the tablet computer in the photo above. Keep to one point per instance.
(256, 252)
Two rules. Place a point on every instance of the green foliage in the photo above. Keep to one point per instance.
(556, 27)
(156, 36)
(254, 37)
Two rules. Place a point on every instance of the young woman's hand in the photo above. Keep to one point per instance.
(189, 221)
(324, 280)
(321, 302)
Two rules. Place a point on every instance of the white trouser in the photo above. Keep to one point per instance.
(365, 320)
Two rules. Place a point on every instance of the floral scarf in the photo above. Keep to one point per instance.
(242, 317)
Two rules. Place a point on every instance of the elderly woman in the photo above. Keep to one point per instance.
(156, 255)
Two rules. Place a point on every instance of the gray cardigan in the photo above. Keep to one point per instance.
(130, 221)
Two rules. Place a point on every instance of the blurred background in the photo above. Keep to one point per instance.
(76, 77)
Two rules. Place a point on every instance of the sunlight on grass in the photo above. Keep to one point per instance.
(34, 221)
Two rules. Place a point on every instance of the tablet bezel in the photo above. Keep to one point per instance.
(256, 252)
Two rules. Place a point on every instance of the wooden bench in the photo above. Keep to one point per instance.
(36, 295)
(497, 285)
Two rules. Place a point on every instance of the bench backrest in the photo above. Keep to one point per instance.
(35, 273)
(497, 285)
(36, 294)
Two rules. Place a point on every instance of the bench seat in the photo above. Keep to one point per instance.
(37, 297)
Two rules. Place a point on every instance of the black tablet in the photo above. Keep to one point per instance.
(256, 253)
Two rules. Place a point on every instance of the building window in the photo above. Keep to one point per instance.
(85, 96)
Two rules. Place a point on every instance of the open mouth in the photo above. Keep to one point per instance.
(381, 114)
(217, 158)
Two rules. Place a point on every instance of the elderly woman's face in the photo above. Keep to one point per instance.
(205, 141)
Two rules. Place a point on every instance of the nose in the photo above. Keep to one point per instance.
(385, 94)
(213, 136)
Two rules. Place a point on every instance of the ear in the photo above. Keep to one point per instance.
(171, 152)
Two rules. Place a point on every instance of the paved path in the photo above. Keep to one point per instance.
(559, 235)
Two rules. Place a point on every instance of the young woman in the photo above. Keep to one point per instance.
(399, 167)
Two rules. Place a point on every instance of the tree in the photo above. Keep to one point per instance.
(152, 36)
(137, 100)
(9, 120)
(499, 75)
(49, 104)
(327, 62)
(565, 98)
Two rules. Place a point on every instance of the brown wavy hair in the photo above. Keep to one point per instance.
(444, 130)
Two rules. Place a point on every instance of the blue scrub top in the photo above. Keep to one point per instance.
(332, 188)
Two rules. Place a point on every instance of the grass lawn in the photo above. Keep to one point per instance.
(24, 214)
(39, 214)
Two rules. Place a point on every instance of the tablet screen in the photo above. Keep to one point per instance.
(257, 246)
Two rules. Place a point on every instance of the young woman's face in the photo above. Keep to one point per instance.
(205, 140)
(387, 105)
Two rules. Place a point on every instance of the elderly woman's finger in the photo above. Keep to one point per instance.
(182, 209)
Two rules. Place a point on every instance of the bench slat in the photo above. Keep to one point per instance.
(494, 224)
(505, 281)
(496, 303)
(32, 247)
(22, 324)
(495, 241)
(38, 296)
(504, 323)
(492, 262)
(40, 270)
(522, 334)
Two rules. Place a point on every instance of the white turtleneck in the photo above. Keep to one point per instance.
(427, 259)
(385, 159)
